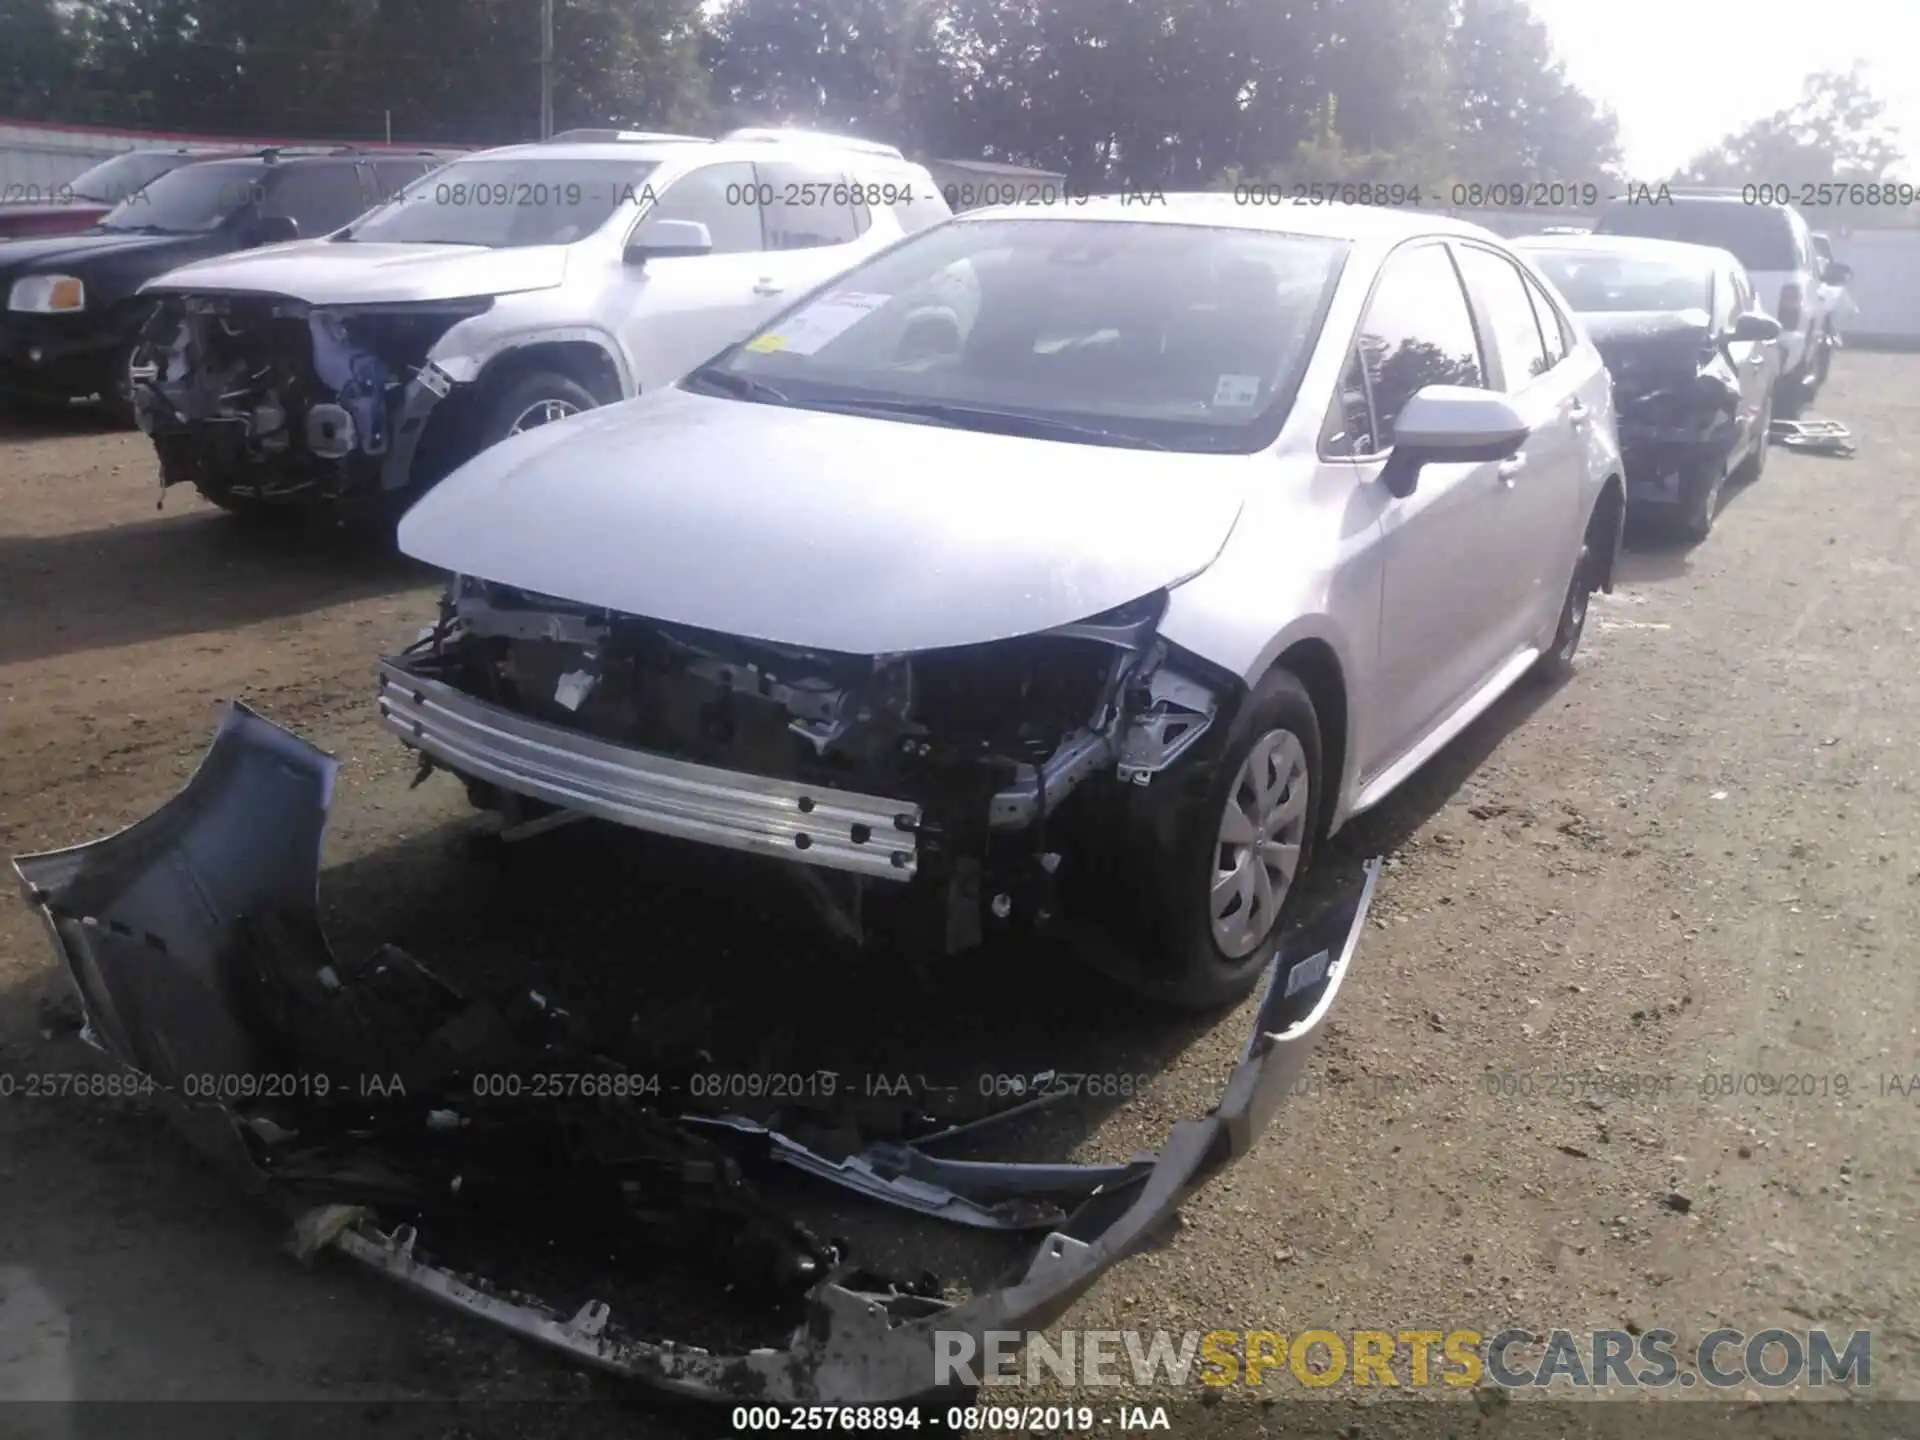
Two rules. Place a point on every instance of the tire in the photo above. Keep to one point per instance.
(1193, 961)
(1557, 662)
(116, 396)
(518, 400)
(1790, 395)
(1697, 523)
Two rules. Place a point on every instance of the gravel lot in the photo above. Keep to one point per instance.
(1698, 857)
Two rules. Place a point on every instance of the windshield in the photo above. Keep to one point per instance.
(1759, 236)
(1594, 281)
(188, 200)
(114, 181)
(1182, 336)
(508, 202)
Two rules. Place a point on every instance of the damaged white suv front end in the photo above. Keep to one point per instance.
(506, 290)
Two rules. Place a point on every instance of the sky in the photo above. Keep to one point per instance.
(1682, 73)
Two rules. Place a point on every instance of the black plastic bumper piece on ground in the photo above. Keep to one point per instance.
(141, 918)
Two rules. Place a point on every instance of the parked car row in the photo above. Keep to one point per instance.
(979, 566)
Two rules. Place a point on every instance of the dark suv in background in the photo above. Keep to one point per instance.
(73, 308)
(69, 205)
(1775, 245)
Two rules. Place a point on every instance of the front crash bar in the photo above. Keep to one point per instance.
(141, 917)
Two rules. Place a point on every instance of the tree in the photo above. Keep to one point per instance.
(39, 59)
(1516, 116)
(1835, 131)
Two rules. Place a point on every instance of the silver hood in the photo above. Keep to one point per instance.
(831, 532)
(346, 272)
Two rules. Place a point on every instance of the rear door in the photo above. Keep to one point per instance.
(815, 227)
(1540, 487)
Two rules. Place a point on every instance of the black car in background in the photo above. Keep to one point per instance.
(73, 307)
(1694, 360)
(27, 208)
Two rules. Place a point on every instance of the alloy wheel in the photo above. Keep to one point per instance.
(542, 412)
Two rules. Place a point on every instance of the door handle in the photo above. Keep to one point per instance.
(766, 286)
(1577, 412)
(1509, 469)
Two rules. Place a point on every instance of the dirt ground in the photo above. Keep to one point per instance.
(1697, 858)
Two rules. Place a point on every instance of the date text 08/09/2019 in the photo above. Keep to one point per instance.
(954, 1420)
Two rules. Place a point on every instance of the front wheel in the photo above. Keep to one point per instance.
(1222, 854)
(1697, 523)
(540, 397)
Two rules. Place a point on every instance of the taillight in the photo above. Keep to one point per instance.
(1790, 307)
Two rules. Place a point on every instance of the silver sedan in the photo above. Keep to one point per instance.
(1073, 566)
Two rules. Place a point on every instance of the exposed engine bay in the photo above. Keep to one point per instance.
(264, 400)
(952, 774)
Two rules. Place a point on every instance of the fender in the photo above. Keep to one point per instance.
(463, 363)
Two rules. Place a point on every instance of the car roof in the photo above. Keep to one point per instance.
(1643, 246)
(660, 151)
(1376, 223)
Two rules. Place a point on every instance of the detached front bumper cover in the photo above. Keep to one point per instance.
(142, 919)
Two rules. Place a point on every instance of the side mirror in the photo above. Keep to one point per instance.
(1756, 326)
(669, 240)
(1836, 273)
(275, 229)
(1451, 424)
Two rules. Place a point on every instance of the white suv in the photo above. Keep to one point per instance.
(507, 289)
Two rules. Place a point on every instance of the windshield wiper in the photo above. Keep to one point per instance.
(740, 386)
(969, 417)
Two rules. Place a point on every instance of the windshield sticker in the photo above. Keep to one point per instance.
(1237, 390)
(826, 319)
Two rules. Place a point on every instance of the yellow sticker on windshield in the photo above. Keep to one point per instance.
(767, 344)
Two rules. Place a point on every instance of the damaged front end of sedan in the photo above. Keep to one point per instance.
(264, 401)
(926, 799)
(1677, 396)
(929, 797)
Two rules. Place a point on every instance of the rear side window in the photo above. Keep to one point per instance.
(1760, 237)
(915, 200)
(807, 205)
(1554, 331)
(1502, 292)
(1417, 332)
(320, 198)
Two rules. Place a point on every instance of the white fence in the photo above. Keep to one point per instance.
(36, 158)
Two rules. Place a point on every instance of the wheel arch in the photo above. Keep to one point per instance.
(586, 361)
(1607, 524)
(1314, 662)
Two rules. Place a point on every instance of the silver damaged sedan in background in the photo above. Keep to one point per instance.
(1057, 566)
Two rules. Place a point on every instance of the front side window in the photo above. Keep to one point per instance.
(1417, 332)
(318, 198)
(1515, 336)
(509, 201)
(724, 198)
(1349, 428)
(1184, 336)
